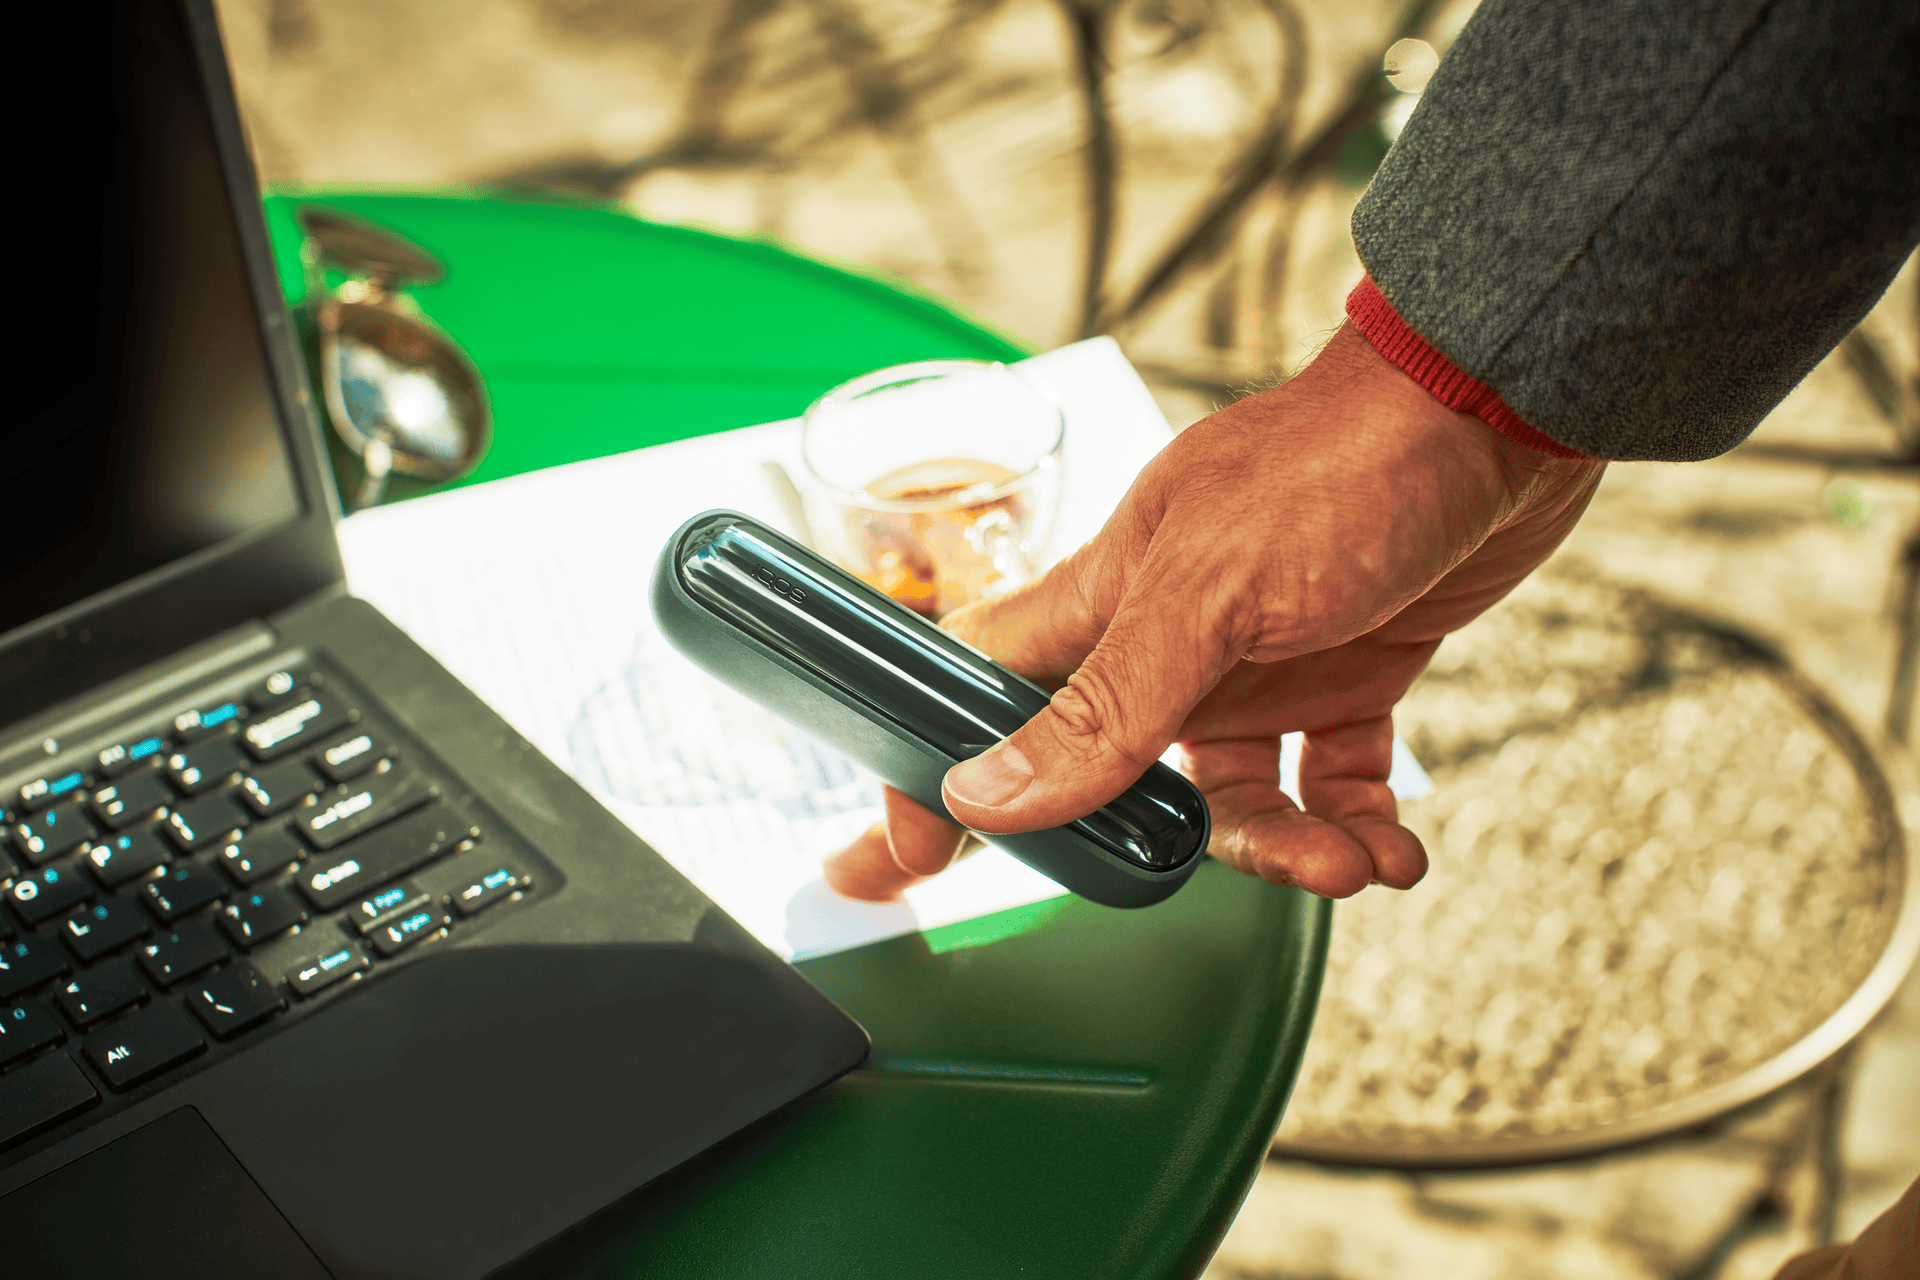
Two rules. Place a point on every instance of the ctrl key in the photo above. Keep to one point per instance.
(41, 1093)
(143, 1043)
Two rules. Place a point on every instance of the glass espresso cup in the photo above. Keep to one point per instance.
(937, 482)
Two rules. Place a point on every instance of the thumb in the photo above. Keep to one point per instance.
(1115, 715)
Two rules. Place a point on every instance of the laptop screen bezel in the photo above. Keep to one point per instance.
(247, 577)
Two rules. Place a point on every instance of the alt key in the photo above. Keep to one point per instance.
(142, 1043)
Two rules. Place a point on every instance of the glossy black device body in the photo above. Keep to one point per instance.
(815, 644)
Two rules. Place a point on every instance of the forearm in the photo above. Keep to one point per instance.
(1642, 222)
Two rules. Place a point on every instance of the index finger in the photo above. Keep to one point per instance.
(909, 845)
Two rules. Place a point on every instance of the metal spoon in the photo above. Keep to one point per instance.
(398, 390)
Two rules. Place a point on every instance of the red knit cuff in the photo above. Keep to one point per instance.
(1375, 317)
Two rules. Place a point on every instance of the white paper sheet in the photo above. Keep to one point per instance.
(532, 590)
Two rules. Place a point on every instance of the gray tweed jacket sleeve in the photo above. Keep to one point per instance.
(1643, 221)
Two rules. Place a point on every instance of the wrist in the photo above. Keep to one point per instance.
(1398, 343)
(1531, 464)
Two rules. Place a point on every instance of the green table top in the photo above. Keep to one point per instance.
(1062, 1090)
(596, 332)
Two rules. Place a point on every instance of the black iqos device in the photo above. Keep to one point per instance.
(813, 643)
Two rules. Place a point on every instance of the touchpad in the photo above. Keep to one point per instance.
(180, 1204)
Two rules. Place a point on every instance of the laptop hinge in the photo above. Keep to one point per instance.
(45, 734)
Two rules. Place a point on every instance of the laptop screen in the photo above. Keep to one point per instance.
(143, 427)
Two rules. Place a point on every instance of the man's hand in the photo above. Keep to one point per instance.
(1289, 563)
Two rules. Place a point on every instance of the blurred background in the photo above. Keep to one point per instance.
(1666, 828)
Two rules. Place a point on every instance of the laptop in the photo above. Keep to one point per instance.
(309, 964)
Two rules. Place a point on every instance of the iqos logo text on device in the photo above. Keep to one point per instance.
(779, 585)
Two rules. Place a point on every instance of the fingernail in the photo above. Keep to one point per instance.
(990, 779)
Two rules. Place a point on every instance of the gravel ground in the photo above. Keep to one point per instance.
(1658, 831)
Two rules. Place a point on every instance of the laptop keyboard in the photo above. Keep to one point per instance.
(218, 871)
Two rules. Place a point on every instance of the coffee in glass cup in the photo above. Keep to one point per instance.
(936, 483)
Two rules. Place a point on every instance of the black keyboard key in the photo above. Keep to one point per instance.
(205, 765)
(49, 891)
(411, 907)
(41, 792)
(377, 908)
(8, 867)
(351, 756)
(403, 931)
(275, 788)
(371, 861)
(204, 722)
(40, 1094)
(28, 962)
(234, 999)
(101, 991)
(109, 923)
(259, 853)
(143, 1043)
(252, 918)
(198, 823)
(276, 690)
(127, 801)
(502, 882)
(46, 835)
(327, 968)
(308, 718)
(179, 953)
(186, 887)
(338, 814)
(25, 1027)
(136, 753)
(127, 856)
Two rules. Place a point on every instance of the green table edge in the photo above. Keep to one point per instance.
(280, 201)
(1259, 1100)
(413, 212)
